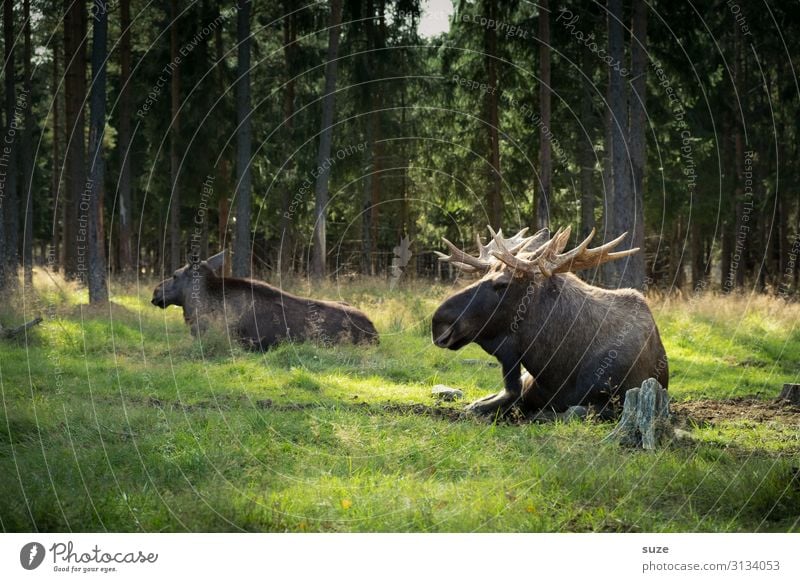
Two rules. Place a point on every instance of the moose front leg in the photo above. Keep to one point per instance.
(502, 402)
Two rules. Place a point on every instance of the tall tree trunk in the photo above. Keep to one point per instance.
(11, 190)
(586, 148)
(621, 202)
(676, 252)
(366, 197)
(728, 213)
(368, 103)
(286, 230)
(125, 141)
(319, 250)
(74, 97)
(174, 162)
(634, 275)
(493, 119)
(742, 229)
(98, 291)
(8, 162)
(784, 243)
(726, 252)
(375, 205)
(795, 254)
(27, 153)
(545, 148)
(241, 252)
(56, 250)
(607, 225)
(613, 88)
(377, 180)
(224, 170)
(404, 227)
(698, 254)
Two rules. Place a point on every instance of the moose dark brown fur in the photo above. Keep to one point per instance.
(580, 344)
(258, 314)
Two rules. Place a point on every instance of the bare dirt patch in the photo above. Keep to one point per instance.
(743, 408)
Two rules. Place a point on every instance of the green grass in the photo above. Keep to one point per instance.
(116, 419)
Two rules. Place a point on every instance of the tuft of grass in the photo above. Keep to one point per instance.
(115, 418)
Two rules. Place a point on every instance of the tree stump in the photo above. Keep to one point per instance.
(791, 393)
(645, 417)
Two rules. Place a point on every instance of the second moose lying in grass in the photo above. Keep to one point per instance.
(257, 314)
(580, 344)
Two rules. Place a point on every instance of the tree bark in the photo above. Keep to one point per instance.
(726, 252)
(8, 163)
(792, 247)
(174, 162)
(98, 291)
(319, 250)
(493, 119)
(366, 198)
(634, 274)
(125, 141)
(11, 184)
(728, 213)
(224, 171)
(676, 253)
(608, 186)
(368, 102)
(286, 230)
(622, 209)
(586, 149)
(375, 200)
(404, 227)
(545, 147)
(242, 247)
(56, 247)
(742, 229)
(74, 96)
(698, 254)
(27, 153)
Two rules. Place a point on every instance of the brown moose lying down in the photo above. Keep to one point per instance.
(579, 344)
(258, 314)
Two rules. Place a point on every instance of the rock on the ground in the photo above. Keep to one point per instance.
(446, 393)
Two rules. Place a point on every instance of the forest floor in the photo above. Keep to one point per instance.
(116, 419)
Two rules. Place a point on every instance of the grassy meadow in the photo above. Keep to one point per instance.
(116, 419)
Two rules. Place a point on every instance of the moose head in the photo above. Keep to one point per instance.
(178, 289)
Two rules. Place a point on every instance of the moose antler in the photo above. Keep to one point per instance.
(486, 257)
(549, 260)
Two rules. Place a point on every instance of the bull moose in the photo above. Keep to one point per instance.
(258, 314)
(579, 344)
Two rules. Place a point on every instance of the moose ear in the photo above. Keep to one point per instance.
(216, 263)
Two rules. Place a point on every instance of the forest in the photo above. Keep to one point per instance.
(312, 139)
